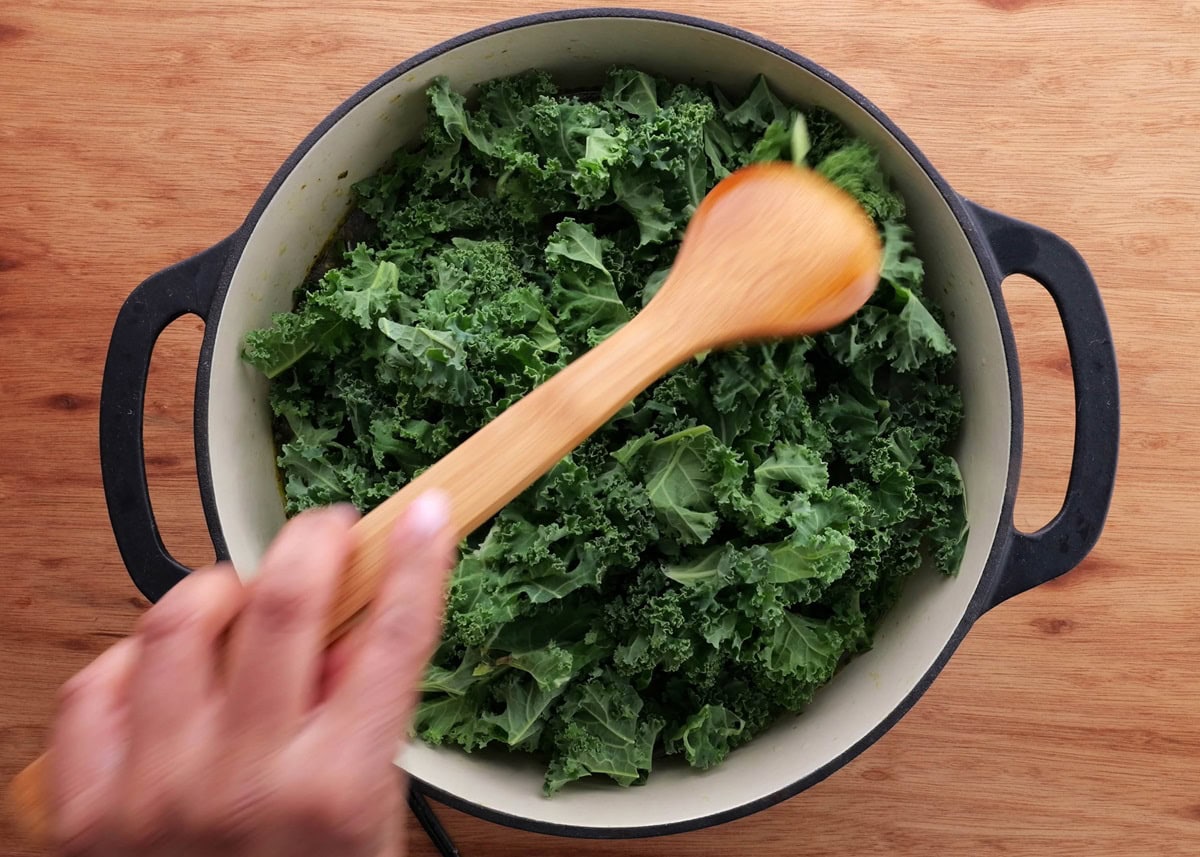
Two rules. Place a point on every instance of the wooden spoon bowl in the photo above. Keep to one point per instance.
(771, 252)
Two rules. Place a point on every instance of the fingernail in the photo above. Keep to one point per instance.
(428, 515)
(345, 510)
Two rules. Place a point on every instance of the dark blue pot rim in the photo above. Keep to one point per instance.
(982, 598)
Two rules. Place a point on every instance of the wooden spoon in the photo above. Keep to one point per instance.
(773, 251)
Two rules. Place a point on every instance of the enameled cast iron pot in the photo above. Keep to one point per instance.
(237, 284)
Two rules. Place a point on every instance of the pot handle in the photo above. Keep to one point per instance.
(183, 288)
(1021, 248)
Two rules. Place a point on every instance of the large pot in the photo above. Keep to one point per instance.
(237, 284)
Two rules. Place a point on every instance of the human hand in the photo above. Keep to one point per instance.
(275, 747)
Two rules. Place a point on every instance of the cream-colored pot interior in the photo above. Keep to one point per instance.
(307, 208)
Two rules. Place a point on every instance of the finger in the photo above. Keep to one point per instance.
(87, 749)
(177, 668)
(172, 689)
(372, 703)
(337, 657)
(275, 648)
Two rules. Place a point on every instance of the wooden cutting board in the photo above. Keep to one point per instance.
(133, 134)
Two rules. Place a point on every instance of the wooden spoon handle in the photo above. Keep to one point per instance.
(29, 798)
(511, 452)
(480, 476)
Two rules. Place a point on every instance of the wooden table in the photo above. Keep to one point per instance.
(133, 134)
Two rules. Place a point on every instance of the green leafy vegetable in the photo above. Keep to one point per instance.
(707, 560)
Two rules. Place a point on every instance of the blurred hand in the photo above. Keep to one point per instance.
(275, 748)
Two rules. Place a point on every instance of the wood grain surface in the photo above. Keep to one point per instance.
(134, 134)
